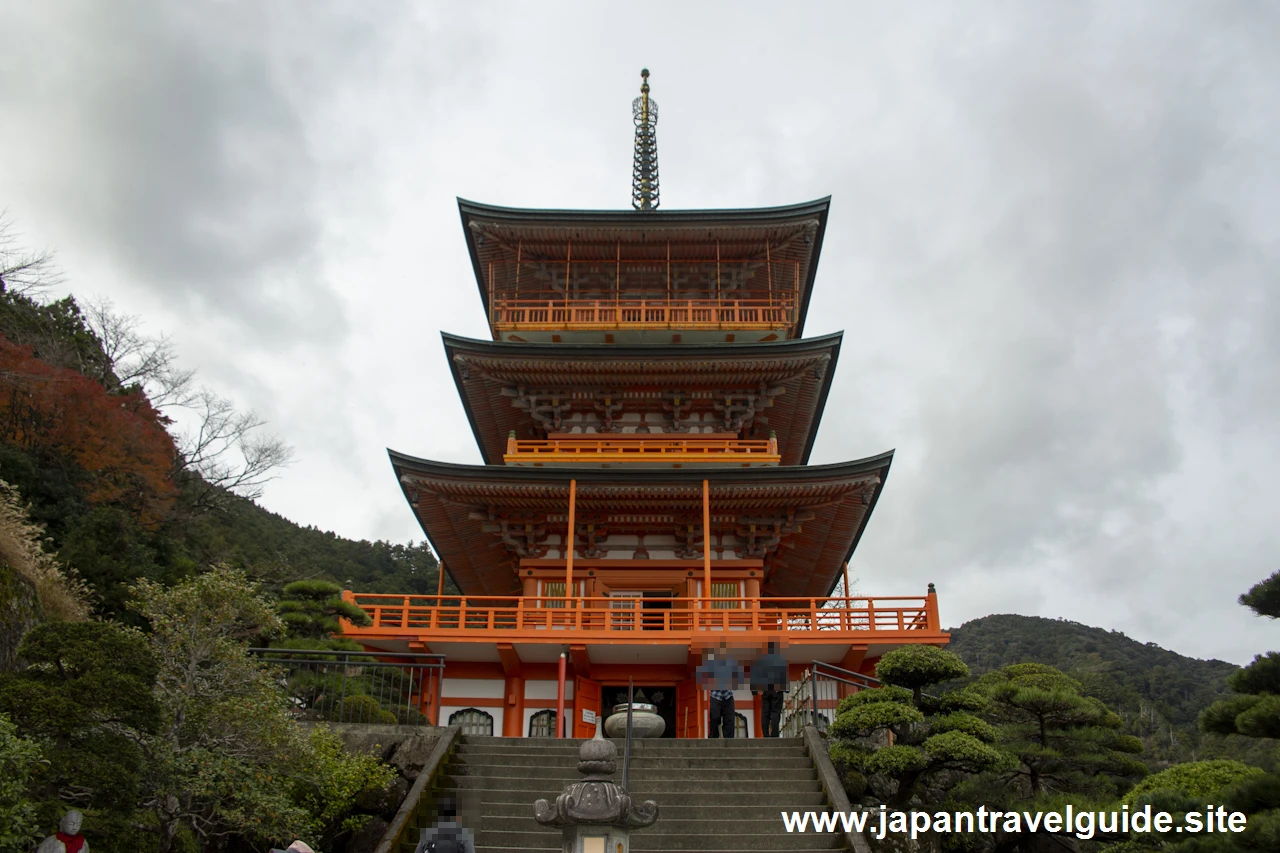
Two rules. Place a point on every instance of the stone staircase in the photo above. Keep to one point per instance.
(714, 796)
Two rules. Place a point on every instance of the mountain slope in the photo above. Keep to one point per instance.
(1158, 692)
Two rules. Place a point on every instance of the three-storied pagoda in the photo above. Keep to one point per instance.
(645, 412)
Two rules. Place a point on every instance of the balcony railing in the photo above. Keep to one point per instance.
(662, 450)
(482, 617)
(552, 311)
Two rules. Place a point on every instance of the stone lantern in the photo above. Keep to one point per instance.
(595, 814)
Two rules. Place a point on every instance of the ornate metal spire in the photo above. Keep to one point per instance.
(644, 171)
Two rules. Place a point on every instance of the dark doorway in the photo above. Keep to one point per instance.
(651, 616)
(663, 697)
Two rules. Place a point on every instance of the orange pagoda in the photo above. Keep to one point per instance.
(645, 412)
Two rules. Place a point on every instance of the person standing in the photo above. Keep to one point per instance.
(769, 679)
(722, 714)
(720, 674)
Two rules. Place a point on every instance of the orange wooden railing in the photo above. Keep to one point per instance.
(790, 616)
(553, 311)
(642, 448)
(617, 280)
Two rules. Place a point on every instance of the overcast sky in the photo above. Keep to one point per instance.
(1052, 247)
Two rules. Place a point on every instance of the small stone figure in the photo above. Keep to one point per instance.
(68, 838)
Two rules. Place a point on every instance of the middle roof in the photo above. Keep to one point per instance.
(779, 387)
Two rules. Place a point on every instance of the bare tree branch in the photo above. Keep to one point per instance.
(134, 358)
(225, 450)
(21, 271)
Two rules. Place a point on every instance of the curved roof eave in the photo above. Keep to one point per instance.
(827, 574)
(831, 341)
(474, 208)
(819, 207)
(730, 476)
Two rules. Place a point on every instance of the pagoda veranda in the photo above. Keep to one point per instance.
(645, 412)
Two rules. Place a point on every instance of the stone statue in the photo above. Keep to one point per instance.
(68, 838)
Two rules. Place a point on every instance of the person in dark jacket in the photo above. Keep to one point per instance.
(769, 679)
(720, 673)
(447, 835)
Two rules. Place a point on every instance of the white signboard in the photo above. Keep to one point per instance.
(588, 716)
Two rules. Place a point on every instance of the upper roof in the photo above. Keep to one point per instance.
(801, 369)
(513, 227)
(457, 506)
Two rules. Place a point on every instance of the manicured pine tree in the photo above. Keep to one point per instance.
(310, 610)
(1254, 712)
(905, 748)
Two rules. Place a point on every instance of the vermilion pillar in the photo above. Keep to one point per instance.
(560, 699)
(570, 539)
(513, 712)
(706, 541)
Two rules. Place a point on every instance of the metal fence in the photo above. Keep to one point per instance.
(814, 698)
(359, 687)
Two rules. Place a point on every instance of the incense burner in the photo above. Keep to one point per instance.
(645, 721)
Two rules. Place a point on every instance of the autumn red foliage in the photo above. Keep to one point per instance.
(119, 441)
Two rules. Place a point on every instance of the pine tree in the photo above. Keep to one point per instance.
(311, 610)
(904, 747)
(1064, 742)
(1255, 712)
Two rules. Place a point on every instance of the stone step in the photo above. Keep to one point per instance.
(723, 763)
(572, 745)
(635, 848)
(654, 839)
(739, 803)
(714, 796)
(695, 748)
(713, 822)
(550, 788)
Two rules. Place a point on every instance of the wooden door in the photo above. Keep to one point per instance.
(688, 709)
(586, 697)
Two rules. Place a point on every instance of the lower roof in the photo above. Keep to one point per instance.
(457, 505)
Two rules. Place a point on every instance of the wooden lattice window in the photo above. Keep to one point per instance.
(739, 725)
(543, 724)
(725, 590)
(552, 590)
(473, 721)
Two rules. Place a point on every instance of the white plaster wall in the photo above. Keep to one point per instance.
(546, 690)
(482, 688)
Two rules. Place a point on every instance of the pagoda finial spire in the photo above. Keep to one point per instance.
(644, 170)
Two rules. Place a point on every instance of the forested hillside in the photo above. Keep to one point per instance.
(1158, 692)
(133, 554)
(86, 438)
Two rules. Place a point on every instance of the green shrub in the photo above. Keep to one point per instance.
(887, 693)
(359, 709)
(863, 720)
(1206, 780)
